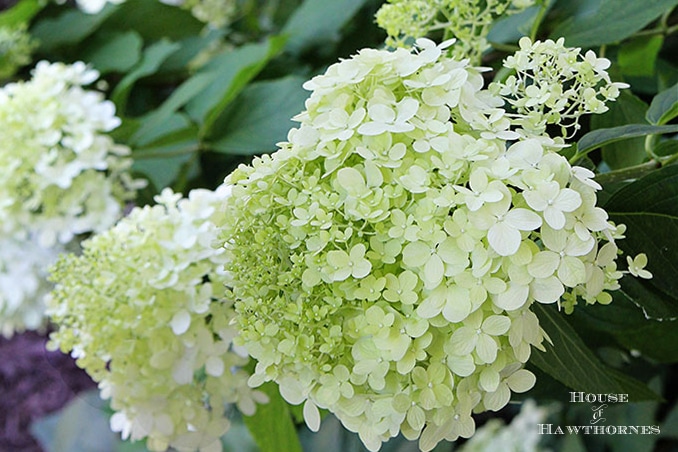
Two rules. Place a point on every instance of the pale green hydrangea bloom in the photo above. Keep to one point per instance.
(141, 310)
(60, 173)
(16, 47)
(384, 260)
(23, 284)
(555, 84)
(469, 21)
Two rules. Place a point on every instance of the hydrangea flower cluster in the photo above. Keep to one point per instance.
(23, 284)
(555, 84)
(16, 47)
(60, 173)
(141, 311)
(467, 21)
(385, 259)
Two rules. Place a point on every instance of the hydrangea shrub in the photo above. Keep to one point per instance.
(383, 262)
(61, 174)
(141, 310)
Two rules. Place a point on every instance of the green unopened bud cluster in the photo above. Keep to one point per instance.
(469, 21)
(16, 47)
(384, 261)
(142, 310)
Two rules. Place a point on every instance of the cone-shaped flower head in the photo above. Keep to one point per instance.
(141, 310)
(60, 173)
(384, 260)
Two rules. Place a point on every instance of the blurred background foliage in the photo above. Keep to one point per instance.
(196, 101)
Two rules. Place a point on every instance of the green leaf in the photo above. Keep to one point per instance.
(628, 109)
(114, 53)
(260, 118)
(189, 48)
(649, 209)
(638, 57)
(69, 28)
(153, 56)
(164, 165)
(271, 426)
(317, 23)
(666, 148)
(230, 72)
(180, 97)
(207, 93)
(155, 20)
(610, 21)
(654, 303)
(572, 363)
(625, 320)
(512, 28)
(598, 138)
(667, 74)
(664, 106)
(170, 150)
(21, 13)
(173, 123)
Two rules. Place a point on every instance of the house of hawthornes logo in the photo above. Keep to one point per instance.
(597, 425)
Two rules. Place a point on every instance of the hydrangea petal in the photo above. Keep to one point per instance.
(514, 297)
(504, 239)
(311, 416)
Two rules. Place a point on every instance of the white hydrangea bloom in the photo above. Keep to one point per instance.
(60, 173)
(140, 310)
(23, 284)
(555, 84)
(384, 261)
